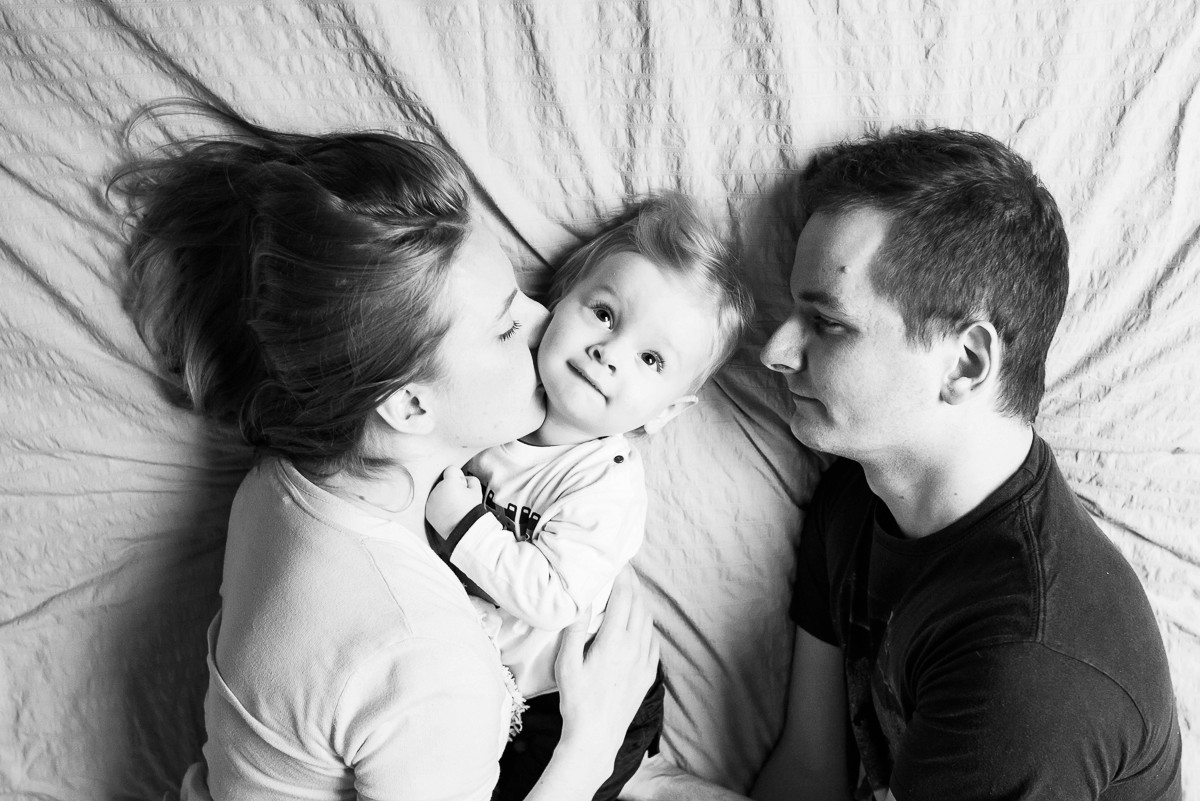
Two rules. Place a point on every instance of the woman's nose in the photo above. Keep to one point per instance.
(784, 351)
(538, 317)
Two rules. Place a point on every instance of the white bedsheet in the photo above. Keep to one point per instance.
(112, 503)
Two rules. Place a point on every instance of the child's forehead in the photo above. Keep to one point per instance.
(624, 271)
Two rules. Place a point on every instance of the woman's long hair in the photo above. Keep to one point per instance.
(289, 283)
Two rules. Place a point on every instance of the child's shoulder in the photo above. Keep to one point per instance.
(618, 448)
(609, 460)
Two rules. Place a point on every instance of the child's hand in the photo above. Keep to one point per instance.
(451, 499)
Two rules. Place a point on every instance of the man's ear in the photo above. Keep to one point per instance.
(666, 415)
(405, 411)
(976, 363)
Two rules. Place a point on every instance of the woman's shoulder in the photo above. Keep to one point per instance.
(311, 584)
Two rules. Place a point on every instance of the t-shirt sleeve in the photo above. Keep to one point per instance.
(1017, 721)
(424, 720)
(812, 608)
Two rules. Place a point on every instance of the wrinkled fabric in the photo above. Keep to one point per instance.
(113, 503)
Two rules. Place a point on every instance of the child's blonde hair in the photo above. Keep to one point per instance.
(667, 229)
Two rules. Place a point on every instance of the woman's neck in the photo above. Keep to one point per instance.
(395, 494)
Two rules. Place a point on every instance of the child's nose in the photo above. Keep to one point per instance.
(600, 354)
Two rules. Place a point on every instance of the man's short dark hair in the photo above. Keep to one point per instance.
(974, 235)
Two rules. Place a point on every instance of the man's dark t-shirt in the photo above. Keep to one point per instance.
(1011, 655)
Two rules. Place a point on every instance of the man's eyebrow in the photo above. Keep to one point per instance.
(507, 304)
(820, 298)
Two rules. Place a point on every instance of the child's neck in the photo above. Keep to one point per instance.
(550, 436)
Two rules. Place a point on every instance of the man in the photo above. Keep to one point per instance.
(958, 612)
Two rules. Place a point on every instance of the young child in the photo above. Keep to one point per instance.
(641, 317)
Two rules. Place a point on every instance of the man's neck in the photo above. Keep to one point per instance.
(928, 490)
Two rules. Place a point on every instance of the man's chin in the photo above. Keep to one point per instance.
(810, 433)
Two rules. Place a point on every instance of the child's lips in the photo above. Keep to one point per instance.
(583, 375)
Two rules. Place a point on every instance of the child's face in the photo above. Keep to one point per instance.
(623, 349)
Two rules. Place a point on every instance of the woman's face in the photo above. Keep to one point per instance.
(489, 392)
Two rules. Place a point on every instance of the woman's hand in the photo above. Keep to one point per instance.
(451, 499)
(601, 685)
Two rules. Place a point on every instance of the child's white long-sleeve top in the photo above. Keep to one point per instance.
(564, 520)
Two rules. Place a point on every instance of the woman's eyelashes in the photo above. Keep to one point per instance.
(507, 335)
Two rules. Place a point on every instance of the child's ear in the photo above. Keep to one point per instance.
(407, 410)
(666, 415)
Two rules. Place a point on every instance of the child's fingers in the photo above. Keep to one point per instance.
(455, 477)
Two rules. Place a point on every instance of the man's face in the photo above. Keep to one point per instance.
(859, 387)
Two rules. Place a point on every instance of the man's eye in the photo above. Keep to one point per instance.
(824, 325)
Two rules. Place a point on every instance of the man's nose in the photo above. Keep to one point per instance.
(784, 351)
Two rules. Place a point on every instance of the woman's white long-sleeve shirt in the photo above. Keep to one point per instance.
(346, 661)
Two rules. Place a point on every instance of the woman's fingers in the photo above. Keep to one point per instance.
(601, 685)
(628, 613)
(625, 604)
(570, 650)
(626, 641)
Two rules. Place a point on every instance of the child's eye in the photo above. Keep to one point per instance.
(507, 335)
(652, 359)
(603, 315)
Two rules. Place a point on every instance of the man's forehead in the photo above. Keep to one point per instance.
(835, 250)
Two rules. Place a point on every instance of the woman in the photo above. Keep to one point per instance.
(335, 298)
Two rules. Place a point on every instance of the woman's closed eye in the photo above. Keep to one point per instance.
(507, 335)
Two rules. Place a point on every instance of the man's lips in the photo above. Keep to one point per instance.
(799, 397)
